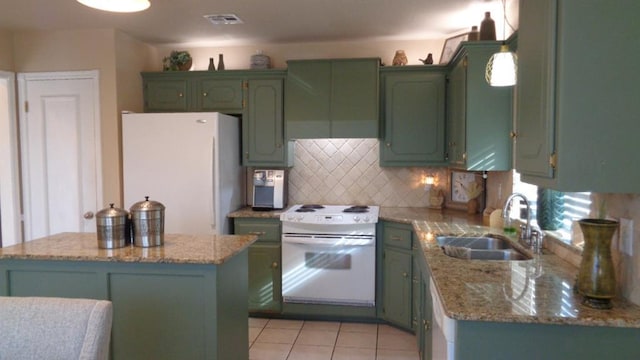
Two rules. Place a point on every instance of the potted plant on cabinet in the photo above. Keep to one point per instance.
(177, 61)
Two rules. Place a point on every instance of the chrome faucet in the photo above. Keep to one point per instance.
(531, 237)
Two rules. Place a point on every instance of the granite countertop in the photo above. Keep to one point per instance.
(177, 249)
(537, 291)
(248, 212)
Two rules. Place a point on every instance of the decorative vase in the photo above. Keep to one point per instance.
(472, 206)
(550, 209)
(596, 277)
(212, 67)
(220, 62)
(474, 34)
(487, 27)
(400, 59)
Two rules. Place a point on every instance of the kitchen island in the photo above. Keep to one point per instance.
(186, 299)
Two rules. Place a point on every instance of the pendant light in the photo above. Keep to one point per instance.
(124, 6)
(502, 66)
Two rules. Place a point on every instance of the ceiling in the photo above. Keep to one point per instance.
(169, 22)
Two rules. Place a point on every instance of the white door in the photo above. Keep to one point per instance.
(9, 187)
(60, 143)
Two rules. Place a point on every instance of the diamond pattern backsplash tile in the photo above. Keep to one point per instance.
(346, 171)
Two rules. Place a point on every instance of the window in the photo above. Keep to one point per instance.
(577, 205)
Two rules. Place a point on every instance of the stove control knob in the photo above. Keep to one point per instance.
(356, 218)
(367, 218)
(291, 217)
(300, 217)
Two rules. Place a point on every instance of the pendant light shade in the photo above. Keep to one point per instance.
(117, 5)
(502, 68)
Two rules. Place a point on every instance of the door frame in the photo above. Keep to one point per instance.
(23, 78)
(9, 166)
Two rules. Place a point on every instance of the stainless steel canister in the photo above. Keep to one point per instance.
(147, 221)
(112, 227)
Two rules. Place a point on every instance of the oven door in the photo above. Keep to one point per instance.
(328, 269)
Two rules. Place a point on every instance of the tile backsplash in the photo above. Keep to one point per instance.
(346, 171)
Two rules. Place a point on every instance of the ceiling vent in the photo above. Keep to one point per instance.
(224, 19)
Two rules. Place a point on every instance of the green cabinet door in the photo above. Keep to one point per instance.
(265, 274)
(166, 94)
(414, 117)
(265, 271)
(397, 284)
(479, 116)
(577, 111)
(219, 94)
(263, 126)
(331, 98)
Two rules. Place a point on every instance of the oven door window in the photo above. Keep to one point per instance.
(327, 260)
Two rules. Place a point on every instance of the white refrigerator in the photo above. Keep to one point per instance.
(190, 162)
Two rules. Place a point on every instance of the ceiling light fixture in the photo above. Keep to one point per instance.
(124, 6)
(502, 67)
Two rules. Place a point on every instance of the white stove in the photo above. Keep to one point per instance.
(328, 254)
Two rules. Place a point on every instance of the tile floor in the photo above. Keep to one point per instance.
(276, 339)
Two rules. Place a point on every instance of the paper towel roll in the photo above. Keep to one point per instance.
(495, 220)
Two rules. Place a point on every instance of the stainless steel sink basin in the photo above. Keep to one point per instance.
(475, 242)
(480, 248)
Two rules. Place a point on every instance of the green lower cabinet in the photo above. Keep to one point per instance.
(265, 278)
(265, 271)
(397, 300)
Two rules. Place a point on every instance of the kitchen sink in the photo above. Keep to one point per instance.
(480, 248)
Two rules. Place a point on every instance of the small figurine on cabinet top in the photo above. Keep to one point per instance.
(400, 59)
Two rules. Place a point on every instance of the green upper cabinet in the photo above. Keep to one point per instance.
(263, 142)
(335, 98)
(166, 93)
(216, 94)
(577, 103)
(180, 91)
(479, 116)
(413, 107)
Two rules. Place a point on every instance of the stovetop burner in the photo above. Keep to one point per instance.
(356, 209)
(309, 208)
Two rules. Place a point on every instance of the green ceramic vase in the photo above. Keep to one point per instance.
(596, 277)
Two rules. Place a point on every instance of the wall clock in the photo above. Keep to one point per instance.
(460, 181)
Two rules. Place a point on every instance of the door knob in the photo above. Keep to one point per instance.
(274, 265)
(88, 215)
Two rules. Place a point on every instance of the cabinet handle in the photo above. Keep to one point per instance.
(205, 93)
(396, 238)
(274, 265)
(464, 156)
(513, 134)
(180, 94)
(278, 146)
(405, 275)
(246, 154)
(388, 144)
(427, 325)
(259, 233)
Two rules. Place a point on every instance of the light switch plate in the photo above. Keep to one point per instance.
(626, 236)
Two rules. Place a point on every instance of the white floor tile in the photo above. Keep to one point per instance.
(321, 325)
(394, 341)
(347, 353)
(356, 339)
(253, 334)
(310, 352)
(385, 354)
(277, 336)
(359, 327)
(268, 351)
(257, 322)
(317, 337)
(285, 324)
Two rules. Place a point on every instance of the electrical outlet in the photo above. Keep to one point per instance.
(626, 236)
